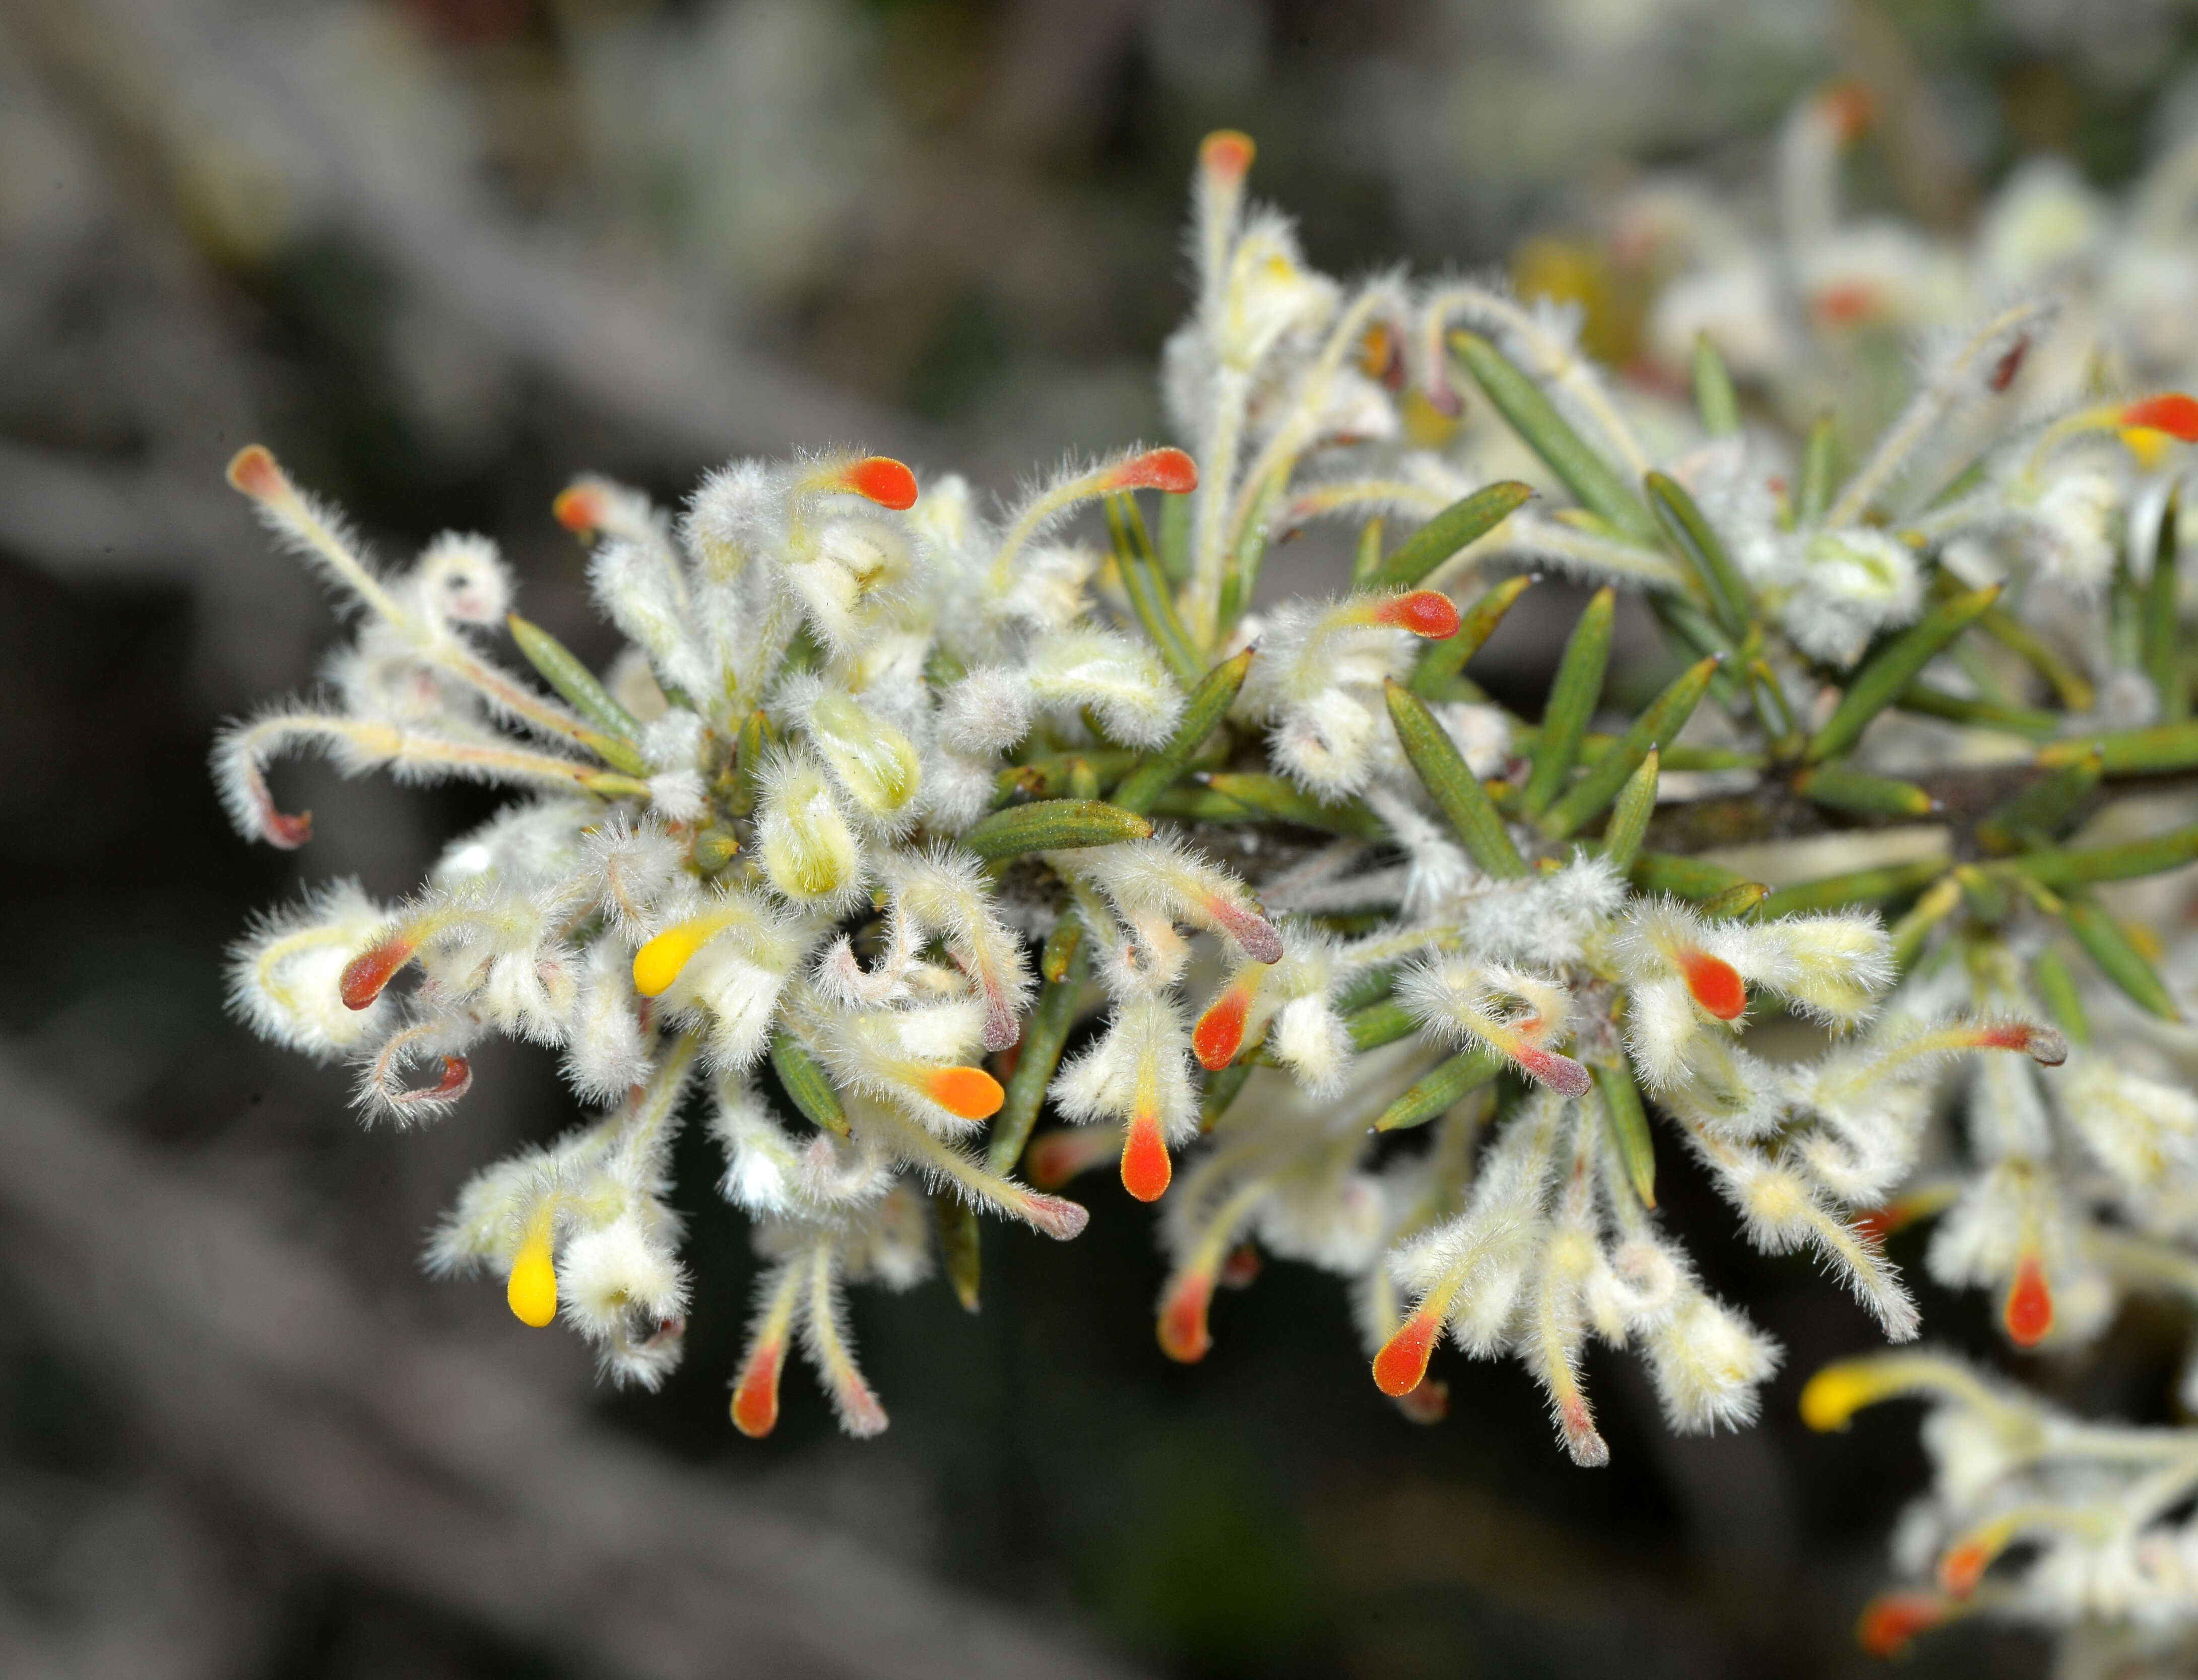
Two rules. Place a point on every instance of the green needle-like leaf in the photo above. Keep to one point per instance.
(1892, 668)
(2118, 957)
(2041, 810)
(1629, 1126)
(1692, 535)
(1667, 716)
(2159, 749)
(1456, 790)
(807, 1084)
(562, 669)
(1735, 902)
(960, 1253)
(1437, 1091)
(1151, 598)
(1379, 1024)
(1535, 418)
(2057, 988)
(2163, 639)
(1208, 705)
(1466, 521)
(2151, 857)
(1175, 538)
(1221, 1088)
(1837, 788)
(1573, 696)
(2027, 721)
(1441, 662)
(1045, 1037)
(1367, 560)
(1715, 400)
(2072, 688)
(1629, 818)
(1282, 800)
(1819, 473)
(1682, 877)
(1055, 825)
(1863, 887)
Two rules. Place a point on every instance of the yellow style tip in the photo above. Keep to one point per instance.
(532, 1290)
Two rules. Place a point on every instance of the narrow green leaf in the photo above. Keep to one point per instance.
(1819, 471)
(2040, 811)
(1441, 662)
(807, 1084)
(2056, 989)
(1692, 535)
(1863, 887)
(1282, 800)
(1735, 902)
(1716, 402)
(1629, 818)
(561, 668)
(1682, 877)
(1053, 777)
(1573, 696)
(1435, 1093)
(756, 737)
(1045, 1037)
(2156, 750)
(1691, 627)
(1667, 716)
(1934, 906)
(1535, 418)
(2059, 869)
(1893, 668)
(1242, 577)
(1367, 560)
(1629, 1126)
(960, 1250)
(1150, 596)
(1466, 520)
(1055, 825)
(1838, 788)
(2069, 684)
(1371, 987)
(1175, 539)
(1208, 705)
(2027, 721)
(1379, 1024)
(2163, 638)
(1456, 790)
(2118, 957)
(1060, 948)
(1221, 1088)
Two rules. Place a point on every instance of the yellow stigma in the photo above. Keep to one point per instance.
(532, 1291)
(1837, 1392)
(659, 962)
(2148, 444)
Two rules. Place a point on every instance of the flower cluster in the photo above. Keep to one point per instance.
(940, 818)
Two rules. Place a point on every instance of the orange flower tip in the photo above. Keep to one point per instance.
(1402, 1363)
(254, 470)
(2175, 414)
(1716, 984)
(1849, 108)
(2044, 1045)
(1145, 1169)
(284, 832)
(1220, 1031)
(1964, 1567)
(881, 480)
(1877, 1224)
(969, 1092)
(1428, 1403)
(2028, 1314)
(1561, 1074)
(1226, 154)
(1846, 305)
(1168, 469)
(580, 508)
(1242, 1266)
(1183, 1335)
(2010, 364)
(1057, 1217)
(1424, 613)
(366, 974)
(1892, 1619)
(755, 1400)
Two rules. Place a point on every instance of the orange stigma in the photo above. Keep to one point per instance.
(1183, 1329)
(1427, 613)
(881, 480)
(1227, 154)
(1145, 1167)
(1168, 469)
(969, 1092)
(253, 469)
(2174, 413)
(755, 1398)
(1402, 1363)
(1716, 984)
(1964, 1567)
(1849, 108)
(1220, 1033)
(2028, 1314)
(1892, 1619)
(580, 508)
(365, 974)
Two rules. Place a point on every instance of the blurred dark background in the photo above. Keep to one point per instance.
(442, 254)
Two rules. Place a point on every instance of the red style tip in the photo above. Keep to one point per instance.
(881, 480)
(367, 973)
(1402, 1360)
(1850, 109)
(1227, 154)
(1427, 613)
(2044, 1045)
(457, 1078)
(253, 469)
(2010, 364)
(2028, 1314)
(1846, 305)
(1892, 1619)
(1964, 1567)
(2174, 413)
(1220, 1033)
(1253, 933)
(580, 508)
(1168, 469)
(285, 833)
(1561, 1074)
(1145, 1169)
(1716, 984)
(1185, 1337)
(1428, 1403)
(1057, 1218)
(1242, 1266)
